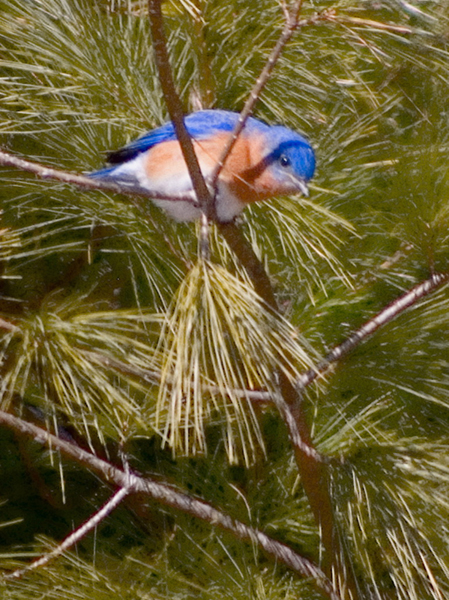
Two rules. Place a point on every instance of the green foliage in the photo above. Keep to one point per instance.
(119, 333)
(215, 333)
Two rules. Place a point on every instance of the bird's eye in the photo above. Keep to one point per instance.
(284, 160)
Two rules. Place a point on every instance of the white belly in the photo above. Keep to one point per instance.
(132, 175)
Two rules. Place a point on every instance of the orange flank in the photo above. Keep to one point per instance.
(244, 174)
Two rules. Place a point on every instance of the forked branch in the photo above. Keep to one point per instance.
(131, 483)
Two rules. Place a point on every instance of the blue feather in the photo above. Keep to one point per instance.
(200, 125)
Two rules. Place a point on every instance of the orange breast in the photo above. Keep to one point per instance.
(244, 172)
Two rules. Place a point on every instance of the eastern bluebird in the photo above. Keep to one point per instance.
(265, 161)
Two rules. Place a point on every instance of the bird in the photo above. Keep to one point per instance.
(266, 161)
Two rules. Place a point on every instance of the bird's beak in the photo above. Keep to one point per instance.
(302, 186)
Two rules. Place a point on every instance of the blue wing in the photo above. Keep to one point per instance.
(200, 125)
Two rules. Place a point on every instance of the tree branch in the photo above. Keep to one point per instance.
(311, 465)
(386, 315)
(169, 496)
(300, 434)
(44, 172)
(175, 108)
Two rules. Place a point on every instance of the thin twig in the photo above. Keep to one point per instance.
(291, 24)
(75, 536)
(10, 160)
(170, 496)
(387, 314)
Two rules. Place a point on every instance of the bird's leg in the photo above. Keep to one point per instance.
(204, 247)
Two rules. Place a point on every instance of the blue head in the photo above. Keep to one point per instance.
(290, 159)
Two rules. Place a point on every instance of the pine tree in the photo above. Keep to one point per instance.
(266, 418)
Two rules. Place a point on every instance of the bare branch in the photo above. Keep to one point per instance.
(44, 172)
(387, 314)
(169, 496)
(75, 536)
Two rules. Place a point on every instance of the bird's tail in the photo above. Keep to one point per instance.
(106, 173)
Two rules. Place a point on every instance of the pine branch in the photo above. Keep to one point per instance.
(131, 483)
